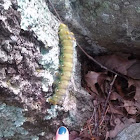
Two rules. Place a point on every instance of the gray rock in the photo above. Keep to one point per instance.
(103, 22)
(130, 133)
(26, 79)
(3, 56)
(28, 68)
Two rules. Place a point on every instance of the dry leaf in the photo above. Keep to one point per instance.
(137, 95)
(130, 107)
(115, 96)
(92, 78)
(134, 70)
(116, 62)
(114, 110)
(136, 83)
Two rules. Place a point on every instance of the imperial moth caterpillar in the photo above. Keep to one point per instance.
(66, 65)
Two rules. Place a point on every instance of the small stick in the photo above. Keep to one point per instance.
(110, 91)
(107, 100)
(91, 58)
(104, 116)
(55, 10)
(105, 110)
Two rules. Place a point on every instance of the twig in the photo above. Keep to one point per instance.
(110, 91)
(55, 10)
(107, 100)
(104, 116)
(91, 58)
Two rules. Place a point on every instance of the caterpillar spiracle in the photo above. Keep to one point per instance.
(67, 41)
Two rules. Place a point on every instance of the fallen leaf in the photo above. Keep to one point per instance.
(103, 81)
(136, 83)
(134, 70)
(115, 110)
(119, 85)
(130, 107)
(115, 96)
(116, 63)
(137, 94)
(92, 78)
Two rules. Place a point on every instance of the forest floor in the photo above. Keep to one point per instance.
(114, 83)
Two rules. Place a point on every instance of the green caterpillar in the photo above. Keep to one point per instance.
(66, 64)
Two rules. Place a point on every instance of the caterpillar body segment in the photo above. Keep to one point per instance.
(67, 36)
(67, 41)
(67, 48)
(64, 76)
(64, 85)
(56, 99)
(67, 51)
(67, 65)
(60, 92)
(64, 69)
(66, 58)
(67, 55)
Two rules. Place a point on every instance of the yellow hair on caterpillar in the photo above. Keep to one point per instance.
(62, 26)
(65, 35)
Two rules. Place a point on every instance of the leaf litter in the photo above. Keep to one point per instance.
(116, 96)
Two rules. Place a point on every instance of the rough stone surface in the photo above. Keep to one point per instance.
(130, 133)
(112, 24)
(27, 71)
(28, 66)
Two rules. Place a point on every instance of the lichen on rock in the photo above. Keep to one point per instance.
(11, 124)
(36, 16)
(28, 63)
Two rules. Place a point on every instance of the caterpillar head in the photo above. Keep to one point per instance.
(62, 26)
